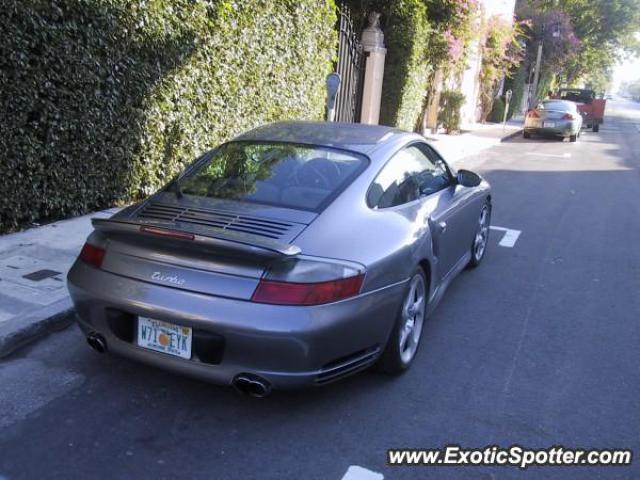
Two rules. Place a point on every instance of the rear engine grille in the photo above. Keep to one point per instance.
(344, 366)
(216, 219)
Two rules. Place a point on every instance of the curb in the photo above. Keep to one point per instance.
(515, 133)
(27, 329)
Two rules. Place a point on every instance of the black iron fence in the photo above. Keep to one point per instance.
(350, 66)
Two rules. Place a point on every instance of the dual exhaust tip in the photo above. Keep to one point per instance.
(245, 383)
(251, 385)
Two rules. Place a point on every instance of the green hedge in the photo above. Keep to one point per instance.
(406, 68)
(102, 101)
(497, 110)
(516, 84)
(451, 102)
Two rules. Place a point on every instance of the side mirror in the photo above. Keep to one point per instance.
(467, 178)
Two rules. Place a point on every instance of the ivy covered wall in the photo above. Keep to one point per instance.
(103, 101)
(407, 66)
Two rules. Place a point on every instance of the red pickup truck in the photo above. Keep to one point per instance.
(590, 107)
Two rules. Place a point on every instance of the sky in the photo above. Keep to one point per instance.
(625, 71)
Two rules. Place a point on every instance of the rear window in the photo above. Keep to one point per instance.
(562, 106)
(280, 174)
(580, 96)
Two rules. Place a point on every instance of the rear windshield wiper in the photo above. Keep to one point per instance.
(175, 186)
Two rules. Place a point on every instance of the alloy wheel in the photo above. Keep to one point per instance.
(482, 235)
(412, 318)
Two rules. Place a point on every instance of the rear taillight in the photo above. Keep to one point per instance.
(92, 255)
(533, 114)
(287, 293)
(568, 116)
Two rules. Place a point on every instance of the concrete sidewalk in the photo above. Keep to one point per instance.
(33, 269)
(473, 139)
(34, 263)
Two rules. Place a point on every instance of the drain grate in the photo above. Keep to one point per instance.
(39, 275)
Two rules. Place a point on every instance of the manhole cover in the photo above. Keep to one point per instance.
(41, 275)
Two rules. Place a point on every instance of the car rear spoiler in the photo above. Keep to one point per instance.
(205, 236)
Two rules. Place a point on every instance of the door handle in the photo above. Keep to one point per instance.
(442, 226)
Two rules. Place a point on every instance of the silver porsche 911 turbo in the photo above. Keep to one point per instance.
(294, 255)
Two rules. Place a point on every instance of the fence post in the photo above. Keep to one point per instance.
(373, 45)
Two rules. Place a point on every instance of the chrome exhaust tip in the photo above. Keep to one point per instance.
(97, 342)
(251, 385)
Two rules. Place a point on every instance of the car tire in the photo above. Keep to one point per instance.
(596, 127)
(526, 134)
(404, 340)
(481, 238)
(573, 138)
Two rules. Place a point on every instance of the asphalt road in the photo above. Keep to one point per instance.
(540, 346)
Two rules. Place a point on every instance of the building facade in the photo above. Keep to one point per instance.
(470, 83)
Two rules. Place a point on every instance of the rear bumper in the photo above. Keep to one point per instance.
(288, 346)
(561, 129)
(551, 132)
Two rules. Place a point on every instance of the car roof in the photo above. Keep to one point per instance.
(356, 137)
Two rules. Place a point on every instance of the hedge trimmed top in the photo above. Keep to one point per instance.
(105, 100)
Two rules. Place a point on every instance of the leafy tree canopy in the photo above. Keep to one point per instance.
(605, 31)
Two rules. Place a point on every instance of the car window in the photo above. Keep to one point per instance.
(580, 96)
(440, 177)
(280, 174)
(407, 176)
(562, 106)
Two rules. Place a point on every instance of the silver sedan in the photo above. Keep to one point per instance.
(294, 255)
(559, 118)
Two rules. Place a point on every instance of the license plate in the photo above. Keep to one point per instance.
(164, 337)
(549, 124)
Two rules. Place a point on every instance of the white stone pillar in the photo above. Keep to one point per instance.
(373, 45)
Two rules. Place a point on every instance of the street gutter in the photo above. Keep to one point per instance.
(25, 330)
(512, 135)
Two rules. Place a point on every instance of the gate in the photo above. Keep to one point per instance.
(350, 67)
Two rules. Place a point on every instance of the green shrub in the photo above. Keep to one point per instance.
(406, 67)
(450, 103)
(103, 101)
(546, 83)
(516, 85)
(497, 111)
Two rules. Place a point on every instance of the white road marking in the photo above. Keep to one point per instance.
(510, 236)
(355, 472)
(554, 155)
